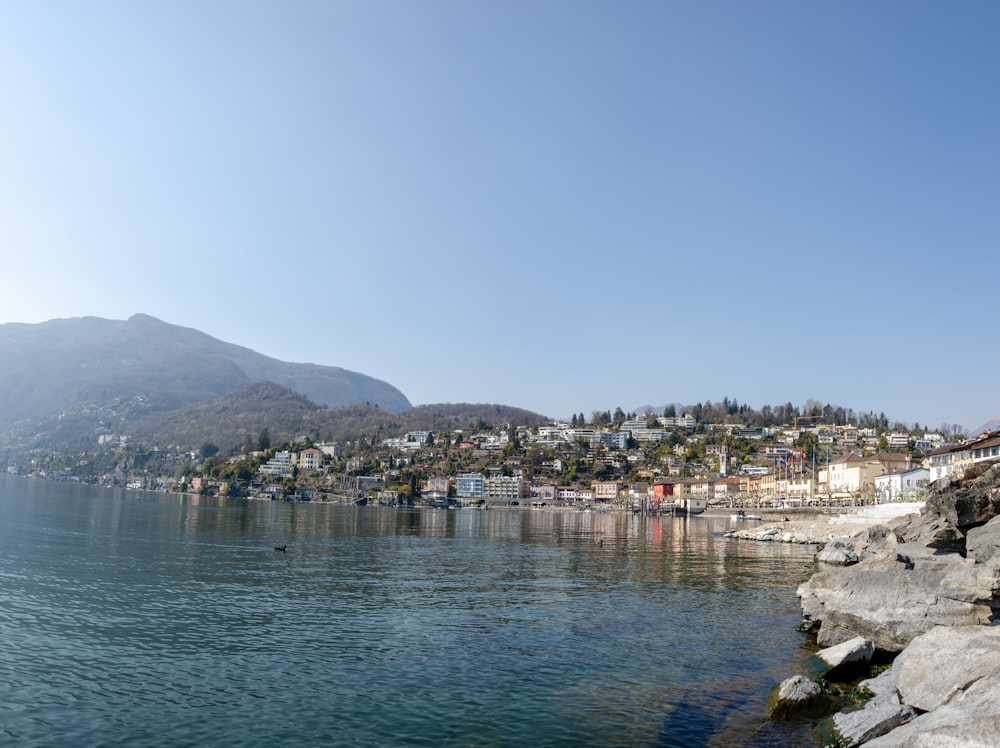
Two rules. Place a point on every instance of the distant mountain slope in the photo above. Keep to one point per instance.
(991, 425)
(229, 421)
(88, 362)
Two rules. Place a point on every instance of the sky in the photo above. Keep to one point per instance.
(561, 206)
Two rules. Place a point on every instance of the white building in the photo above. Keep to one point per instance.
(906, 485)
(470, 486)
(279, 465)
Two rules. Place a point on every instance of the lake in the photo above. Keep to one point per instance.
(165, 620)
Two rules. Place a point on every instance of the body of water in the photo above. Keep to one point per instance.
(164, 620)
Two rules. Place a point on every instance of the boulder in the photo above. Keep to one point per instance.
(842, 661)
(974, 583)
(888, 607)
(886, 560)
(862, 725)
(932, 532)
(983, 543)
(969, 501)
(884, 686)
(942, 664)
(840, 552)
(797, 697)
(970, 721)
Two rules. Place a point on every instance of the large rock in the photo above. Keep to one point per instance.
(842, 661)
(857, 727)
(971, 720)
(974, 583)
(969, 501)
(797, 697)
(888, 607)
(839, 552)
(983, 543)
(944, 663)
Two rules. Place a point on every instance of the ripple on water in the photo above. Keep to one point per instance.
(126, 622)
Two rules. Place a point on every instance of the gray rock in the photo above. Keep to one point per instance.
(842, 661)
(886, 560)
(884, 686)
(890, 608)
(840, 551)
(944, 663)
(974, 583)
(971, 721)
(857, 727)
(932, 531)
(983, 543)
(797, 696)
(971, 500)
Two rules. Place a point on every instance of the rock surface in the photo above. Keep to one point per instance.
(797, 697)
(864, 725)
(927, 588)
(944, 663)
(843, 661)
(888, 607)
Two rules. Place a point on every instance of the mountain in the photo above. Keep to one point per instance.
(229, 421)
(64, 375)
(992, 425)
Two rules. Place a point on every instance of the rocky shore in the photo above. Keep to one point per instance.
(921, 591)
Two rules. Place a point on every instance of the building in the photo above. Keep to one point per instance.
(854, 474)
(310, 459)
(280, 465)
(957, 458)
(504, 487)
(670, 490)
(544, 491)
(470, 486)
(612, 439)
(906, 485)
(607, 491)
(436, 488)
(727, 489)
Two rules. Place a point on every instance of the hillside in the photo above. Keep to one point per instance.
(67, 381)
(230, 421)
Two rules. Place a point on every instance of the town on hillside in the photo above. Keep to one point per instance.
(668, 462)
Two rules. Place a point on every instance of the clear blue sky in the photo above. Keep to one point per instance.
(564, 206)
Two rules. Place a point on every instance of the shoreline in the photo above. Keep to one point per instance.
(819, 527)
(910, 600)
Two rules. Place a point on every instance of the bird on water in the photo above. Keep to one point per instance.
(281, 548)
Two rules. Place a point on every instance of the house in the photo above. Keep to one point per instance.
(727, 489)
(504, 487)
(436, 488)
(280, 465)
(310, 459)
(607, 491)
(853, 474)
(906, 485)
(470, 486)
(669, 490)
(543, 491)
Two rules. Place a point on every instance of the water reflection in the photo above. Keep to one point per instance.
(133, 616)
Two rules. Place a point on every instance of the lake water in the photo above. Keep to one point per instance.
(163, 620)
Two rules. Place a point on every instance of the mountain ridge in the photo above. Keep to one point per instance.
(76, 362)
(66, 382)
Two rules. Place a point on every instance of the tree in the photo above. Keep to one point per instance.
(264, 441)
(208, 450)
(808, 442)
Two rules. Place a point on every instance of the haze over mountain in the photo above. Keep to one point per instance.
(66, 366)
